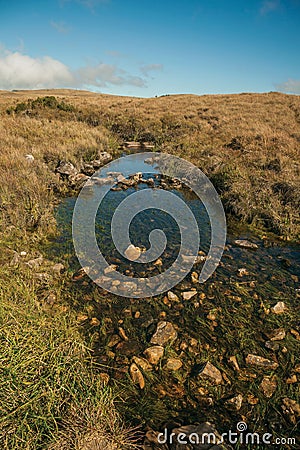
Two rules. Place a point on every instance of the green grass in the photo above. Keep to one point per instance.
(50, 390)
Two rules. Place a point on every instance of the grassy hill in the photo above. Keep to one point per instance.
(52, 393)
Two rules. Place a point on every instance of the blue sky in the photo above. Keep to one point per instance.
(146, 48)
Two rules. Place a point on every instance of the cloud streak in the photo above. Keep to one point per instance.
(291, 87)
(150, 68)
(269, 6)
(60, 27)
(19, 71)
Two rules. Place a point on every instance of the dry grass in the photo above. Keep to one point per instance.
(248, 144)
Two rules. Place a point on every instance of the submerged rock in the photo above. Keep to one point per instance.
(165, 333)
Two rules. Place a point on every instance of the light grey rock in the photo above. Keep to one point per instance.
(244, 243)
(66, 168)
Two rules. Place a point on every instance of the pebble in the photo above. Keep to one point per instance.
(154, 354)
(277, 335)
(188, 295)
(233, 361)
(172, 297)
(165, 333)
(136, 375)
(211, 373)
(279, 308)
(259, 361)
(244, 243)
(268, 386)
(132, 253)
(142, 362)
(173, 364)
(235, 403)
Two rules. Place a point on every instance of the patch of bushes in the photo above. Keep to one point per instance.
(40, 103)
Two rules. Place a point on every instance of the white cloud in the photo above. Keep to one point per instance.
(19, 71)
(60, 27)
(102, 75)
(269, 6)
(290, 86)
(150, 68)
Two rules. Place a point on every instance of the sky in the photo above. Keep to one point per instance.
(146, 48)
